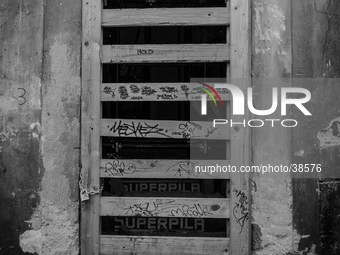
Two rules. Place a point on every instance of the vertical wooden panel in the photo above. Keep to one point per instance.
(240, 136)
(90, 144)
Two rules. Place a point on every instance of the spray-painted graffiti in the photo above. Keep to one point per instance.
(160, 92)
(137, 129)
(134, 89)
(196, 210)
(187, 130)
(147, 91)
(185, 89)
(166, 97)
(240, 210)
(182, 168)
(110, 91)
(123, 92)
(167, 93)
(117, 168)
(210, 131)
(167, 89)
(168, 208)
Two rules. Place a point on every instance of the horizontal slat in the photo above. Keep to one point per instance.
(144, 168)
(165, 53)
(165, 207)
(167, 245)
(163, 129)
(156, 92)
(165, 17)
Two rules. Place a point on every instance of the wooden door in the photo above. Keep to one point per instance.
(140, 127)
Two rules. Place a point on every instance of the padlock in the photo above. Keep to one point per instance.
(84, 196)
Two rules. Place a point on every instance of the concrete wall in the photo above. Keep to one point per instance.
(39, 130)
(299, 40)
(271, 67)
(316, 51)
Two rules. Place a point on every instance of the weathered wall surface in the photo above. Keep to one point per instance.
(21, 170)
(271, 193)
(298, 216)
(39, 130)
(316, 51)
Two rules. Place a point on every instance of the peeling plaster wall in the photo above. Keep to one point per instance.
(330, 136)
(39, 127)
(58, 209)
(21, 28)
(298, 216)
(316, 51)
(271, 193)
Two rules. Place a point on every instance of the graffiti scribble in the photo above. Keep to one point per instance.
(117, 168)
(148, 91)
(108, 90)
(240, 210)
(137, 129)
(123, 92)
(167, 208)
(134, 89)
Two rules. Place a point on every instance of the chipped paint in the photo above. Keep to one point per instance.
(271, 196)
(35, 129)
(299, 153)
(30, 241)
(7, 129)
(296, 241)
(55, 219)
(272, 214)
(35, 126)
(269, 27)
(56, 234)
(330, 136)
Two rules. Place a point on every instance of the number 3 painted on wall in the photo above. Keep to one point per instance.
(23, 95)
